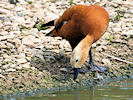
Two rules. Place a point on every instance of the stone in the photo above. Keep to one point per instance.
(40, 56)
(106, 61)
(10, 70)
(19, 8)
(2, 38)
(16, 42)
(5, 56)
(30, 40)
(27, 65)
(22, 55)
(4, 18)
(13, 65)
(101, 48)
(34, 31)
(1, 76)
(21, 60)
(4, 11)
(63, 69)
(1, 25)
(3, 33)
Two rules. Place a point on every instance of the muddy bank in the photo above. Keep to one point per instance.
(29, 60)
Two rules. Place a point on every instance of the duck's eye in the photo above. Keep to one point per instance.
(76, 60)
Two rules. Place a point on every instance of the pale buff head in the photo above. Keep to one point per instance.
(80, 52)
(79, 55)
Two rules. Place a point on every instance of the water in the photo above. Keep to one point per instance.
(122, 90)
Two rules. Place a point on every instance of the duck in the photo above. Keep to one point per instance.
(82, 26)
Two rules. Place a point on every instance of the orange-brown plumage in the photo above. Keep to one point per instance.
(82, 26)
(82, 20)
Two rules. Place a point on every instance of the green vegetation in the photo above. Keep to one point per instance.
(110, 39)
(29, 2)
(117, 17)
(71, 2)
(38, 26)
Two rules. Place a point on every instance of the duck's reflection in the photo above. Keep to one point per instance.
(90, 92)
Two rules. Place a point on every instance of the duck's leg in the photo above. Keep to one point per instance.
(91, 67)
(94, 67)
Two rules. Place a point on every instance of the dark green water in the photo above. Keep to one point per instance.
(122, 90)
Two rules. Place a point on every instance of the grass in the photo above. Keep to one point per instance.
(110, 39)
(29, 2)
(118, 17)
(38, 26)
(71, 2)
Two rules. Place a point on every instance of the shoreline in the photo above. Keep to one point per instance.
(65, 88)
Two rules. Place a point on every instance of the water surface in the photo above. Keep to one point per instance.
(122, 90)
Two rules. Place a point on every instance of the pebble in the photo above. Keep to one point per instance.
(1, 25)
(27, 65)
(10, 70)
(106, 61)
(1, 76)
(101, 48)
(21, 60)
(63, 69)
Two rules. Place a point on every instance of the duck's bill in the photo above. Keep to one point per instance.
(76, 72)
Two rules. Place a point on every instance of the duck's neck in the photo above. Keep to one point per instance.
(84, 45)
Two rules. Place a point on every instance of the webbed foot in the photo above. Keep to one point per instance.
(94, 67)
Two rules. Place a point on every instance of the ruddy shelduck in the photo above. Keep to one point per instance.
(82, 26)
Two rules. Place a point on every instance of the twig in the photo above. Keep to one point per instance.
(118, 58)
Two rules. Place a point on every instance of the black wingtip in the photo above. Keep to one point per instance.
(49, 34)
(51, 23)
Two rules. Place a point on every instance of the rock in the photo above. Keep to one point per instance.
(40, 56)
(25, 32)
(21, 60)
(5, 56)
(13, 65)
(34, 31)
(101, 48)
(63, 69)
(116, 29)
(7, 23)
(4, 11)
(106, 61)
(3, 33)
(22, 55)
(10, 70)
(1, 25)
(4, 18)
(2, 38)
(30, 40)
(1, 76)
(27, 65)
(19, 8)
(16, 42)
(128, 33)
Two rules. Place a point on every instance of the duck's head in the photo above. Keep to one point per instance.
(78, 56)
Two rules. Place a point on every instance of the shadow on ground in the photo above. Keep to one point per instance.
(56, 64)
